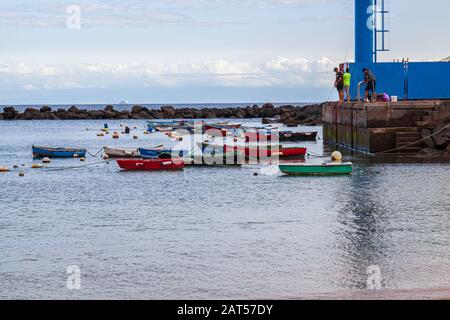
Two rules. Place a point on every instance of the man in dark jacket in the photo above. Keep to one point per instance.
(339, 84)
(371, 85)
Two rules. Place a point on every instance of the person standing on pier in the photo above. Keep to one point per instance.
(347, 78)
(339, 84)
(371, 85)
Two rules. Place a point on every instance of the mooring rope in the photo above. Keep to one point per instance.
(50, 169)
(96, 154)
(412, 143)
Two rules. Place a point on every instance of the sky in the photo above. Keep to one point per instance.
(194, 51)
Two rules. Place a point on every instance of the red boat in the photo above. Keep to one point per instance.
(258, 152)
(150, 164)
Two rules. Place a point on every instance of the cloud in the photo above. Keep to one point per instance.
(277, 72)
(140, 13)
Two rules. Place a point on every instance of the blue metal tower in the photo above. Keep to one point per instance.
(405, 79)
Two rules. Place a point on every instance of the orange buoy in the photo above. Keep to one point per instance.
(82, 159)
(4, 169)
(36, 166)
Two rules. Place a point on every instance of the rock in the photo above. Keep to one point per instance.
(429, 142)
(9, 113)
(168, 111)
(73, 109)
(96, 114)
(442, 139)
(137, 109)
(268, 106)
(430, 153)
(109, 108)
(45, 109)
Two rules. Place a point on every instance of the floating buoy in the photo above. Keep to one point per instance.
(46, 160)
(76, 155)
(16, 166)
(101, 134)
(82, 159)
(21, 174)
(4, 169)
(105, 157)
(116, 135)
(146, 132)
(135, 137)
(255, 174)
(135, 128)
(336, 156)
(36, 166)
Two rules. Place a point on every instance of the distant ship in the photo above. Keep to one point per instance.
(124, 102)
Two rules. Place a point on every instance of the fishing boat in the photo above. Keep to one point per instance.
(150, 164)
(48, 152)
(159, 153)
(126, 152)
(233, 158)
(297, 136)
(306, 169)
(259, 152)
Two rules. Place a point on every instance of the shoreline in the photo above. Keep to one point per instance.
(287, 114)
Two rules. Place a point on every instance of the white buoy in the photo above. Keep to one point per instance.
(336, 156)
(46, 160)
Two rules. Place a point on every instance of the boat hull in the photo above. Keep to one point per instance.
(121, 153)
(260, 153)
(44, 152)
(316, 170)
(297, 136)
(159, 153)
(150, 164)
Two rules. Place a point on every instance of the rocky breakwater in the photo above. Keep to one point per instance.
(436, 142)
(288, 114)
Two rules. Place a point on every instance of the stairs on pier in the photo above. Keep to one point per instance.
(405, 139)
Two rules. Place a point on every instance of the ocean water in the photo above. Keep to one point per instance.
(211, 232)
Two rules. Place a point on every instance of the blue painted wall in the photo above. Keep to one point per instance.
(425, 80)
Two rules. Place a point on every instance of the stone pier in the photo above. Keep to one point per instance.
(381, 126)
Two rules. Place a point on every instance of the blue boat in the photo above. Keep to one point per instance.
(164, 153)
(42, 152)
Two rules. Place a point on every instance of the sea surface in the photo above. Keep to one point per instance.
(211, 232)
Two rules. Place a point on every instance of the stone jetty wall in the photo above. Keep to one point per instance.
(383, 126)
(288, 114)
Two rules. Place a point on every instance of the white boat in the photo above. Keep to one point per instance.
(126, 152)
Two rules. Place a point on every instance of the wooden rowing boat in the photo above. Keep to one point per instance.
(160, 153)
(305, 169)
(48, 152)
(150, 164)
(126, 153)
(260, 152)
(233, 158)
(285, 136)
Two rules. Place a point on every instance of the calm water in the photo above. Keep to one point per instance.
(212, 232)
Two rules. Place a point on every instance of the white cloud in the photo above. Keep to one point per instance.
(280, 71)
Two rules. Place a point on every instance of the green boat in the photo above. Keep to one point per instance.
(304, 169)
